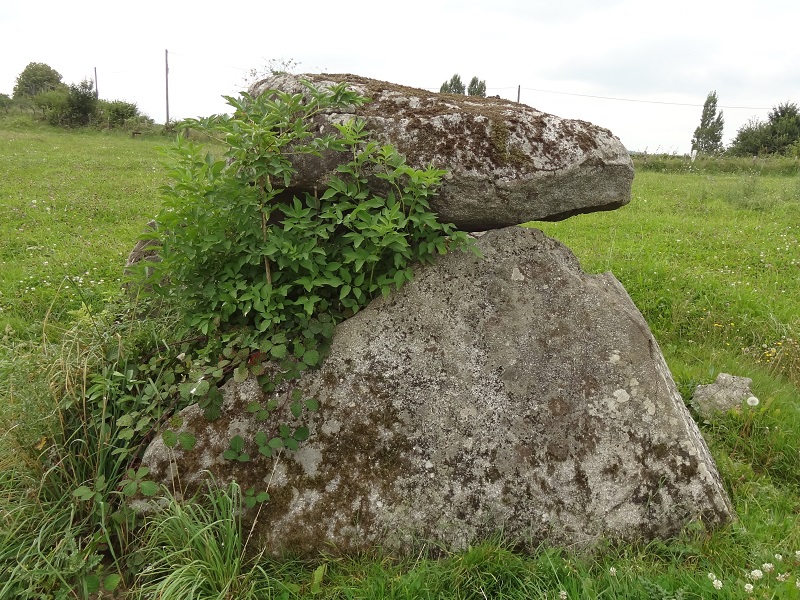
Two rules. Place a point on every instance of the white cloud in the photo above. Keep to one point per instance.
(674, 52)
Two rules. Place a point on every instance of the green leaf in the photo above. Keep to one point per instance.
(230, 455)
(148, 488)
(297, 409)
(292, 444)
(316, 580)
(83, 493)
(301, 434)
(237, 443)
(312, 405)
(92, 583)
(125, 420)
(243, 457)
(186, 440)
(241, 373)
(276, 443)
(170, 438)
(130, 488)
(200, 388)
(111, 582)
(278, 351)
(311, 357)
(261, 438)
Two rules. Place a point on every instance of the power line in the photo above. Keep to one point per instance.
(635, 100)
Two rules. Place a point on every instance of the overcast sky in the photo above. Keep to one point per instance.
(642, 69)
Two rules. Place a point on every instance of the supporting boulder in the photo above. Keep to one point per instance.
(511, 393)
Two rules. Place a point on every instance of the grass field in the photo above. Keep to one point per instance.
(711, 258)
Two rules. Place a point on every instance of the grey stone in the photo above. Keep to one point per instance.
(144, 250)
(508, 163)
(510, 393)
(726, 393)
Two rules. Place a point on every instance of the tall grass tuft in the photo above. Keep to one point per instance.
(196, 550)
(66, 453)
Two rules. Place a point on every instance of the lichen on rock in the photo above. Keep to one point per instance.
(508, 163)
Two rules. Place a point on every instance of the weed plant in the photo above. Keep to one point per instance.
(711, 258)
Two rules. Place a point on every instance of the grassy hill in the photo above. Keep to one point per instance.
(711, 258)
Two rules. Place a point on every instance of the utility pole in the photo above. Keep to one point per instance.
(166, 75)
(519, 87)
(96, 93)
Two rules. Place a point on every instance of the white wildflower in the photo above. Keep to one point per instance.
(756, 574)
(717, 584)
(768, 567)
(748, 587)
(712, 577)
(779, 557)
(193, 391)
(562, 595)
(612, 571)
(782, 577)
(752, 401)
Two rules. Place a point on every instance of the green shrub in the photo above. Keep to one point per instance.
(117, 113)
(246, 258)
(82, 102)
(54, 105)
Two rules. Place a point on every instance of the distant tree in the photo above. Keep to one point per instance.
(82, 102)
(454, 86)
(784, 121)
(476, 87)
(777, 135)
(708, 135)
(752, 139)
(5, 102)
(35, 79)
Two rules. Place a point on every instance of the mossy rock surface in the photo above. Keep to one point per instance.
(508, 163)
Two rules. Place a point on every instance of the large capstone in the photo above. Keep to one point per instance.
(507, 163)
(509, 393)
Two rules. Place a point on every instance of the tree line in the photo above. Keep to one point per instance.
(476, 87)
(40, 87)
(779, 134)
